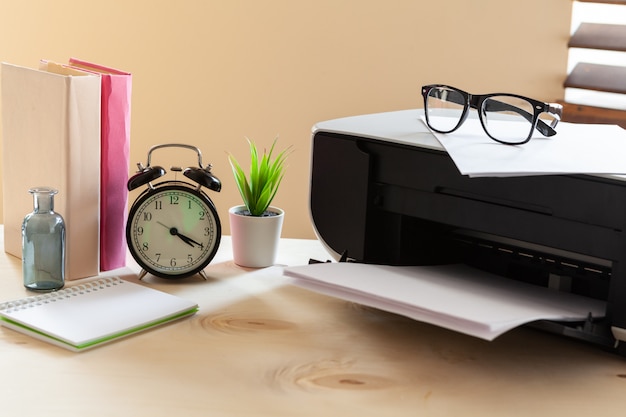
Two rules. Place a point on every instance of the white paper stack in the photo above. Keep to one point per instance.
(575, 149)
(456, 297)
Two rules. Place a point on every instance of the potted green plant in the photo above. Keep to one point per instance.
(256, 225)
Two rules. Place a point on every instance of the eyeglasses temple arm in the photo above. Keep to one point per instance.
(554, 110)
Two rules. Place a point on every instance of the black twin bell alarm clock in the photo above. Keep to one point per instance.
(173, 230)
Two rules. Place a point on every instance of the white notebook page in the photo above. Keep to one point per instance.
(94, 312)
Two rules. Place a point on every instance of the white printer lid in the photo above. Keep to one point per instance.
(404, 127)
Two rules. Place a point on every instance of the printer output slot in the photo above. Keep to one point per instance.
(568, 272)
(492, 200)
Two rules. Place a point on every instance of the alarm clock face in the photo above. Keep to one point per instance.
(173, 231)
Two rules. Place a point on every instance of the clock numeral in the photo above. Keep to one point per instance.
(207, 231)
(147, 216)
(189, 259)
(158, 205)
(145, 246)
(158, 256)
(201, 214)
(139, 231)
(189, 204)
(173, 199)
(173, 262)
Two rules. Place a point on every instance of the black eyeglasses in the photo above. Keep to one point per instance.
(506, 118)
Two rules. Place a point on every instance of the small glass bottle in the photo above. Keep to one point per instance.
(43, 243)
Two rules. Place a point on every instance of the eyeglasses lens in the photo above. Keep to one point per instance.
(508, 119)
(444, 107)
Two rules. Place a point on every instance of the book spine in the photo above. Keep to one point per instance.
(82, 172)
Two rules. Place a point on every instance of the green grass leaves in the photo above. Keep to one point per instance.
(259, 188)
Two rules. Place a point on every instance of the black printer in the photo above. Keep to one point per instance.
(384, 191)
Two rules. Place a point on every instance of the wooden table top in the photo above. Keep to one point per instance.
(261, 347)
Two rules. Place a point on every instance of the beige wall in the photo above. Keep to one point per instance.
(210, 72)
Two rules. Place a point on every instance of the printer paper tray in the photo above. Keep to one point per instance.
(456, 297)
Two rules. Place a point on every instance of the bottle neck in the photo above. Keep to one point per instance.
(43, 199)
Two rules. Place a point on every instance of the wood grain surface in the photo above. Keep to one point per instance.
(261, 347)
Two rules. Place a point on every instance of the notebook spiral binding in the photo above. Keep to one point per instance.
(65, 293)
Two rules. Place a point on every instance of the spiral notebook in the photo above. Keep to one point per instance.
(92, 313)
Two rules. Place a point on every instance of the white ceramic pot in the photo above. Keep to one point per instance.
(255, 239)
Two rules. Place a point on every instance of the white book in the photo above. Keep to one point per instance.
(89, 314)
(51, 137)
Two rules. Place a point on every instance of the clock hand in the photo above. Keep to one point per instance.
(167, 227)
(185, 239)
(174, 232)
(189, 240)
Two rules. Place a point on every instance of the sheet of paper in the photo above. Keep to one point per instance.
(575, 149)
(455, 297)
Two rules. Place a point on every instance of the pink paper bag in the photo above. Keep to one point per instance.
(114, 161)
